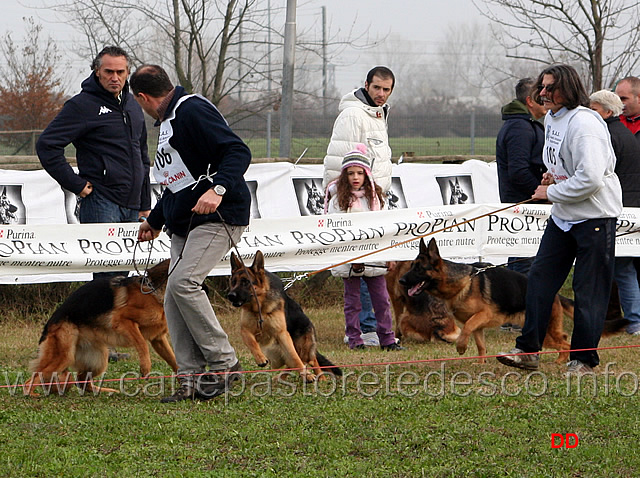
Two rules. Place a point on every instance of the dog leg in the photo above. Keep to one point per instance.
(250, 341)
(292, 358)
(556, 338)
(478, 335)
(162, 346)
(476, 322)
(131, 330)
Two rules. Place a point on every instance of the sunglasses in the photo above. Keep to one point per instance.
(550, 88)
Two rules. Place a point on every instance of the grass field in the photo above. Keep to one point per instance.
(412, 413)
(418, 146)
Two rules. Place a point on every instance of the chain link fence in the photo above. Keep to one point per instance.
(410, 135)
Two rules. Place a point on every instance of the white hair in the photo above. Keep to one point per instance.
(608, 100)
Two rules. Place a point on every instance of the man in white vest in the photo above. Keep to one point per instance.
(363, 119)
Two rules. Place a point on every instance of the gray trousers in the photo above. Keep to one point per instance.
(198, 339)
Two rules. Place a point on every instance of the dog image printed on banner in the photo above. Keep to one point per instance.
(100, 314)
(479, 299)
(273, 326)
(420, 317)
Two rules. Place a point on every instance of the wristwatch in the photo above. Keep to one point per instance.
(219, 189)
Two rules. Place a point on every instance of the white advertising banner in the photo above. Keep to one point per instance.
(41, 240)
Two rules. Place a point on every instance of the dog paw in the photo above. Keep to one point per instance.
(461, 348)
(309, 377)
(263, 364)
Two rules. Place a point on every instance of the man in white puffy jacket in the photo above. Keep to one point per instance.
(363, 119)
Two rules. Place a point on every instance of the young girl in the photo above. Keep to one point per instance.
(355, 191)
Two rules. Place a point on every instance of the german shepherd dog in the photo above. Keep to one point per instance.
(273, 325)
(479, 298)
(100, 314)
(420, 317)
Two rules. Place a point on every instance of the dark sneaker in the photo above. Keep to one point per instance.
(213, 384)
(505, 327)
(516, 328)
(185, 392)
(394, 346)
(577, 368)
(514, 359)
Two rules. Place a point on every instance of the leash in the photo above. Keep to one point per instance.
(304, 276)
(146, 286)
(246, 270)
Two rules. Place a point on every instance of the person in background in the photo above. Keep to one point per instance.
(356, 191)
(586, 195)
(108, 130)
(519, 158)
(627, 151)
(205, 209)
(362, 119)
(628, 89)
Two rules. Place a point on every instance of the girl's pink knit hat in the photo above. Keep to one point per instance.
(357, 157)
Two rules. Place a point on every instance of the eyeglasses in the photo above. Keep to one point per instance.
(550, 88)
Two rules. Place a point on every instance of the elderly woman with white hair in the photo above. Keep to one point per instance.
(627, 151)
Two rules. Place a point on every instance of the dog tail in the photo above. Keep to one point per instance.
(330, 367)
(567, 305)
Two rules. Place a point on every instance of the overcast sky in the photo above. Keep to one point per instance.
(421, 23)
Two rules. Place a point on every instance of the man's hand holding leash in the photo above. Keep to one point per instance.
(146, 232)
(540, 193)
(208, 203)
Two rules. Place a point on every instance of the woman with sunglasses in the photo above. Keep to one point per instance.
(587, 198)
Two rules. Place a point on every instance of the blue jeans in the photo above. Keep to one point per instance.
(95, 208)
(627, 280)
(366, 315)
(592, 244)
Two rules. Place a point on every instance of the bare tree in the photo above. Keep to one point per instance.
(599, 37)
(31, 81)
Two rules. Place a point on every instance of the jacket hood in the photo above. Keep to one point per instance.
(515, 108)
(356, 98)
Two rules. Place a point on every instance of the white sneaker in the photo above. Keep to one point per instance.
(370, 339)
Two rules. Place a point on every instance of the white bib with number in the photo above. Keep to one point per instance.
(168, 167)
(556, 130)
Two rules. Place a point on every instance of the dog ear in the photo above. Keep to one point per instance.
(423, 247)
(258, 261)
(433, 253)
(235, 262)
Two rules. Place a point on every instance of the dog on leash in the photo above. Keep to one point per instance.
(273, 326)
(479, 298)
(420, 317)
(100, 314)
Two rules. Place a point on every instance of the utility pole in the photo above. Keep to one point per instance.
(286, 115)
(324, 62)
(270, 112)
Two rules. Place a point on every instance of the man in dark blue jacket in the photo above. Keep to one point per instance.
(519, 157)
(202, 164)
(519, 146)
(107, 128)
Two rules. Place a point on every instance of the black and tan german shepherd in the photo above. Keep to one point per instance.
(479, 299)
(100, 314)
(273, 326)
(420, 317)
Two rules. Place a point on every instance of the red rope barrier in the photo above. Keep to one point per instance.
(280, 370)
